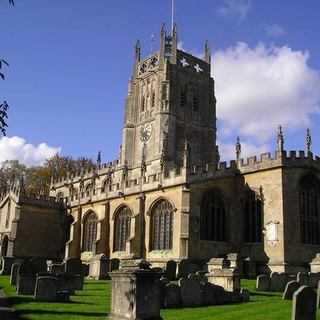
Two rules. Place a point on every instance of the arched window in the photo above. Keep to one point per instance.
(122, 225)
(309, 195)
(90, 231)
(252, 217)
(8, 214)
(88, 190)
(213, 217)
(161, 226)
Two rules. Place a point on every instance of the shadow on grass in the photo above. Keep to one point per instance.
(22, 313)
(266, 294)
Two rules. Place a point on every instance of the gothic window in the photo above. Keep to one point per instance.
(143, 102)
(104, 186)
(60, 195)
(309, 195)
(122, 225)
(213, 217)
(88, 190)
(8, 214)
(253, 217)
(162, 226)
(90, 231)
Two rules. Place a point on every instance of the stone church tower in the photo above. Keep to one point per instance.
(170, 107)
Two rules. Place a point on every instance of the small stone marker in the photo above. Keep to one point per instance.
(46, 289)
(290, 289)
(190, 292)
(172, 298)
(304, 305)
(263, 283)
(171, 270)
(14, 274)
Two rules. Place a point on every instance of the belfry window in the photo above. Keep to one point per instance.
(122, 225)
(195, 102)
(90, 232)
(183, 99)
(252, 217)
(213, 217)
(309, 195)
(162, 226)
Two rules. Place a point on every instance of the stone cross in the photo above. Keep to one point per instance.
(198, 69)
(184, 62)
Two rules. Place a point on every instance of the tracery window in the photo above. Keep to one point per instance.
(8, 214)
(153, 99)
(122, 225)
(88, 190)
(252, 217)
(309, 193)
(213, 217)
(90, 231)
(162, 226)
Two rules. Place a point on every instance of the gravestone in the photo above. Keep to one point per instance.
(14, 274)
(245, 295)
(73, 265)
(314, 278)
(211, 294)
(171, 270)
(283, 279)
(186, 267)
(275, 282)
(26, 278)
(263, 283)
(99, 267)
(57, 268)
(303, 278)
(6, 264)
(135, 293)
(290, 289)
(304, 305)
(172, 296)
(46, 289)
(190, 292)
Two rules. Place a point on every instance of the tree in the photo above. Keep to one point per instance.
(4, 106)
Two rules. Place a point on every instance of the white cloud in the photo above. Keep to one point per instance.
(275, 31)
(16, 148)
(259, 88)
(227, 150)
(238, 8)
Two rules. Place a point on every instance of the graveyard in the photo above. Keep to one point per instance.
(93, 303)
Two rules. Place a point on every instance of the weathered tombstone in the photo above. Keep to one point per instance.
(26, 278)
(14, 274)
(135, 293)
(46, 289)
(186, 267)
(263, 283)
(245, 295)
(73, 265)
(99, 267)
(303, 278)
(314, 278)
(304, 305)
(114, 264)
(315, 264)
(275, 282)
(190, 292)
(283, 279)
(6, 264)
(172, 296)
(211, 294)
(290, 289)
(171, 270)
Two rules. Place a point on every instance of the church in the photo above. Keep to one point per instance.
(168, 196)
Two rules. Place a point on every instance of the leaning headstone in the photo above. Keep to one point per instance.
(263, 283)
(171, 270)
(14, 274)
(99, 267)
(172, 296)
(190, 292)
(304, 305)
(290, 289)
(274, 282)
(303, 278)
(46, 289)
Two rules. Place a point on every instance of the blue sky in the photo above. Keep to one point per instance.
(70, 62)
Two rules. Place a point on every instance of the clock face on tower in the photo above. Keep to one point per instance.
(145, 133)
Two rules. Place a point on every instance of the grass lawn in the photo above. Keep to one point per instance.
(93, 303)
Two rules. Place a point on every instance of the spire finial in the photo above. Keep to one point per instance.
(280, 139)
(99, 159)
(207, 52)
(308, 141)
(238, 149)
